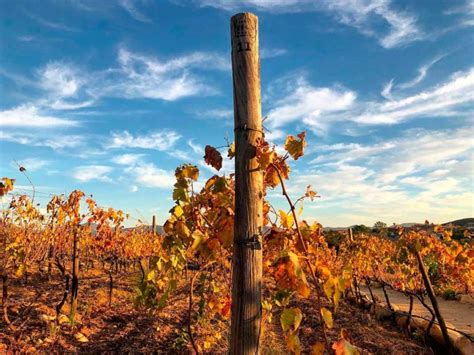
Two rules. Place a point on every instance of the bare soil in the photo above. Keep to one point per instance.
(122, 328)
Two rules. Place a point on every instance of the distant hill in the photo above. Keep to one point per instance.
(461, 222)
(159, 229)
(407, 225)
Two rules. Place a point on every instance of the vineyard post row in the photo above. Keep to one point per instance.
(247, 255)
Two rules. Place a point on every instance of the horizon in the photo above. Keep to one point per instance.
(110, 97)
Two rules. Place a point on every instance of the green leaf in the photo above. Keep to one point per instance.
(290, 319)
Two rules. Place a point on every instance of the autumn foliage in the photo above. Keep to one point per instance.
(197, 248)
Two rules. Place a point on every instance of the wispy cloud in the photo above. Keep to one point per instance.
(466, 8)
(414, 152)
(67, 87)
(141, 76)
(423, 173)
(52, 24)
(387, 90)
(160, 140)
(395, 27)
(127, 159)
(422, 71)
(88, 173)
(402, 26)
(458, 90)
(266, 53)
(305, 103)
(130, 7)
(321, 107)
(196, 148)
(26, 38)
(60, 142)
(32, 164)
(31, 116)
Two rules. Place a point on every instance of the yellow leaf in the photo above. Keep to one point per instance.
(231, 150)
(182, 230)
(266, 158)
(187, 171)
(81, 338)
(21, 271)
(198, 237)
(329, 287)
(318, 348)
(300, 210)
(293, 342)
(177, 211)
(336, 298)
(295, 147)
(327, 316)
(225, 230)
(286, 220)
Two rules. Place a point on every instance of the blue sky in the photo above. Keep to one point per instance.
(110, 96)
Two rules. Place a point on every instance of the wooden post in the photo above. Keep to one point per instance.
(75, 275)
(349, 233)
(247, 257)
(434, 302)
(153, 225)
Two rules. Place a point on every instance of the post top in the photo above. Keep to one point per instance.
(243, 14)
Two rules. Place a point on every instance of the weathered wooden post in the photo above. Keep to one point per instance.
(153, 225)
(247, 259)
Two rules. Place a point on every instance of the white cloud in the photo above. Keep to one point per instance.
(218, 113)
(319, 107)
(387, 90)
(128, 159)
(141, 76)
(160, 140)
(64, 105)
(436, 101)
(398, 27)
(424, 174)
(308, 104)
(129, 6)
(60, 79)
(59, 142)
(266, 53)
(415, 152)
(181, 155)
(92, 172)
(31, 116)
(196, 148)
(402, 27)
(147, 174)
(32, 164)
(422, 71)
(466, 9)
(52, 24)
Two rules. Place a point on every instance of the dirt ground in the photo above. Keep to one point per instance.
(460, 315)
(123, 328)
